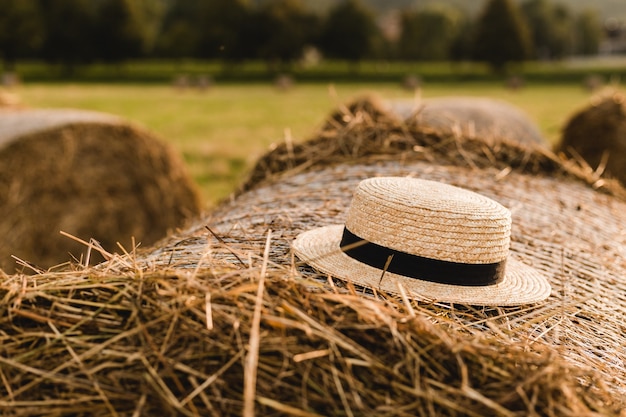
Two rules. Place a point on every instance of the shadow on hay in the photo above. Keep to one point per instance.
(108, 181)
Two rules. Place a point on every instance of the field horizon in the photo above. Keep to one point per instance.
(223, 130)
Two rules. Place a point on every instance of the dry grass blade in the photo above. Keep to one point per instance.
(250, 370)
(200, 388)
(86, 371)
(287, 409)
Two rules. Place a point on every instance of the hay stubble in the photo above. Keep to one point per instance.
(93, 177)
(168, 329)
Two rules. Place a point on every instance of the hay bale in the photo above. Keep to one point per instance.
(565, 223)
(88, 174)
(597, 134)
(219, 318)
(371, 127)
(485, 118)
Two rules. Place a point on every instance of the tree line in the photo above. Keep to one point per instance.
(77, 32)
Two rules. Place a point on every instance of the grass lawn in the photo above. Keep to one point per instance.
(223, 130)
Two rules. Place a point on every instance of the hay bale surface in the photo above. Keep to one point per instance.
(566, 223)
(597, 134)
(88, 174)
(561, 226)
(480, 117)
(174, 343)
(219, 319)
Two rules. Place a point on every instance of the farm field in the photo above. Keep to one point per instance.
(223, 130)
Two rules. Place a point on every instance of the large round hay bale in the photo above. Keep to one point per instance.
(597, 134)
(486, 118)
(88, 174)
(565, 224)
(221, 319)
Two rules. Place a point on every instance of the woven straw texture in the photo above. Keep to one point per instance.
(432, 220)
(447, 224)
(521, 285)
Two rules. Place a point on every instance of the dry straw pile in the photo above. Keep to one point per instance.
(220, 319)
(371, 128)
(597, 136)
(90, 175)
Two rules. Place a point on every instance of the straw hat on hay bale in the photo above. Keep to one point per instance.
(91, 175)
(481, 117)
(222, 319)
(597, 136)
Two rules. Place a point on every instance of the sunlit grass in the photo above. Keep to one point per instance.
(223, 130)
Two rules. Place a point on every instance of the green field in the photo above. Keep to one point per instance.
(223, 130)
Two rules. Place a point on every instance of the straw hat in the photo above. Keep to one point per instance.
(435, 241)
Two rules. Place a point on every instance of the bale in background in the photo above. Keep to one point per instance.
(369, 126)
(88, 174)
(480, 117)
(597, 134)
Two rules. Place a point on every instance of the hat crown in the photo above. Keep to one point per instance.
(430, 219)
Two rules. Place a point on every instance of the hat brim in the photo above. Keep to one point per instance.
(320, 249)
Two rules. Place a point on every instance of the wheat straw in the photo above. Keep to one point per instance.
(139, 326)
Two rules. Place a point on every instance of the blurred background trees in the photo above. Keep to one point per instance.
(282, 29)
(428, 34)
(588, 33)
(119, 31)
(20, 30)
(213, 24)
(551, 27)
(502, 35)
(75, 32)
(349, 32)
(63, 20)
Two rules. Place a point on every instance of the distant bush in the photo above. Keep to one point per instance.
(75, 32)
